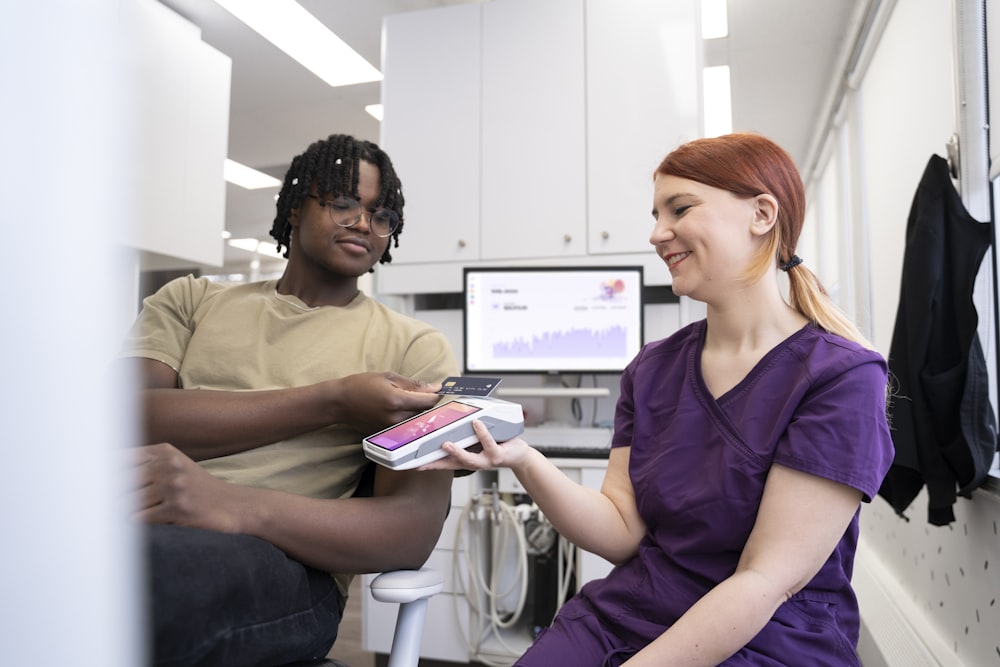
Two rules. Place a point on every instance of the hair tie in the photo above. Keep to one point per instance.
(790, 264)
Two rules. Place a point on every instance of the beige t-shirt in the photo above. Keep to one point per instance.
(249, 337)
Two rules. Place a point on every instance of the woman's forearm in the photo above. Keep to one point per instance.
(717, 626)
(585, 517)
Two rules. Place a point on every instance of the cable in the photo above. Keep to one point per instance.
(567, 555)
(505, 525)
(593, 414)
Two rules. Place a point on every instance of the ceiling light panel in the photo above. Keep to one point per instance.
(304, 38)
(248, 178)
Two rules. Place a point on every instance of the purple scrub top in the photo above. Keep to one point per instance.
(815, 403)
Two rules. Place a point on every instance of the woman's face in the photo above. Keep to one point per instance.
(706, 236)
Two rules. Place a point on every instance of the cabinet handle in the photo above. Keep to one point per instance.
(567, 238)
(605, 235)
(461, 243)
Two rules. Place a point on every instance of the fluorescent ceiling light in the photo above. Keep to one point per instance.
(253, 245)
(268, 248)
(304, 38)
(250, 245)
(718, 101)
(245, 177)
(375, 110)
(714, 20)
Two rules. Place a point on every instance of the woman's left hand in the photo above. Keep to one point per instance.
(491, 455)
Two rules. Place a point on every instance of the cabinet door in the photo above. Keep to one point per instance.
(430, 129)
(643, 99)
(533, 173)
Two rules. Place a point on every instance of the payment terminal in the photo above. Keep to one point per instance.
(417, 440)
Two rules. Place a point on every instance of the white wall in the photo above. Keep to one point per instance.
(68, 569)
(943, 583)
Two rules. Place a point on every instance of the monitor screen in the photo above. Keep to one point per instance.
(552, 319)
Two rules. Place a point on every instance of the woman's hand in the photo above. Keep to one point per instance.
(509, 454)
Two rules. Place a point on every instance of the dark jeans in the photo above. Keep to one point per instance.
(235, 601)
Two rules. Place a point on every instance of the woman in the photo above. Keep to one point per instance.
(744, 444)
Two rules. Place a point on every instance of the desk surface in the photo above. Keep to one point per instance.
(569, 441)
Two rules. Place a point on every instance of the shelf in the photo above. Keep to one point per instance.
(553, 392)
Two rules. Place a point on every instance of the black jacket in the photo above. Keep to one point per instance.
(942, 422)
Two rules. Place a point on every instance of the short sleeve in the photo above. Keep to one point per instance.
(839, 431)
(429, 357)
(165, 324)
(625, 410)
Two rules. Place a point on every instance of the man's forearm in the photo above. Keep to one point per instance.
(353, 535)
(205, 424)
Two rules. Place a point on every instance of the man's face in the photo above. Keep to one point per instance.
(323, 240)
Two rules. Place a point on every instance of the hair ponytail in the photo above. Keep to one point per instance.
(807, 295)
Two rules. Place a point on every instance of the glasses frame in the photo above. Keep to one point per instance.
(347, 222)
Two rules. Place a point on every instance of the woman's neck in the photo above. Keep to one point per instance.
(755, 319)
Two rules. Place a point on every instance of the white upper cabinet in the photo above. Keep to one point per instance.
(643, 100)
(533, 134)
(530, 130)
(431, 103)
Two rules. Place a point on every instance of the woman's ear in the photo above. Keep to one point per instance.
(293, 218)
(765, 214)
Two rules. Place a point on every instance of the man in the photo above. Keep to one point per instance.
(263, 392)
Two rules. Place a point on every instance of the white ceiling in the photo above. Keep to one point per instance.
(783, 55)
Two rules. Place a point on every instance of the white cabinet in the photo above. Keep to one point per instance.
(431, 129)
(484, 121)
(179, 139)
(643, 99)
(529, 131)
(534, 161)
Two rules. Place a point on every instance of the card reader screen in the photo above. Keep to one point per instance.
(406, 432)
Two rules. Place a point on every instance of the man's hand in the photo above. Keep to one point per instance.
(174, 489)
(373, 401)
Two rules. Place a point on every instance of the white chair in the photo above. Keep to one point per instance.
(410, 589)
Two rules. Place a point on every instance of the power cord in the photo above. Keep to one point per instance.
(505, 526)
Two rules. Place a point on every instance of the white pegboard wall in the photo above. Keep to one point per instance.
(949, 576)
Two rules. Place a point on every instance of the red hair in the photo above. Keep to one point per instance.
(748, 165)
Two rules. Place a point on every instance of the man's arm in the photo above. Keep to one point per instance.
(206, 424)
(397, 528)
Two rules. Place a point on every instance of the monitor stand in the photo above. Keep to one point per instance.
(558, 407)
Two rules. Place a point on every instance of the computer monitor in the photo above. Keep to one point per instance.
(552, 320)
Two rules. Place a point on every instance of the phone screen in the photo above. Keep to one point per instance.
(406, 432)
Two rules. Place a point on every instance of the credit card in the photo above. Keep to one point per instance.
(469, 386)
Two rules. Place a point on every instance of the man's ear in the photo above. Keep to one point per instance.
(293, 218)
(765, 214)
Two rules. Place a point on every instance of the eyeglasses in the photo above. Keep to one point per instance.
(347, 212)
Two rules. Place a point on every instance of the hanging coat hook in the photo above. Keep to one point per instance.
(952, 148)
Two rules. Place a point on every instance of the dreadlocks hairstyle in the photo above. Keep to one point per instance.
(331, 165)
(748, 164)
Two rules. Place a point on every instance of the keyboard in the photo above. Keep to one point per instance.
(569, 441)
